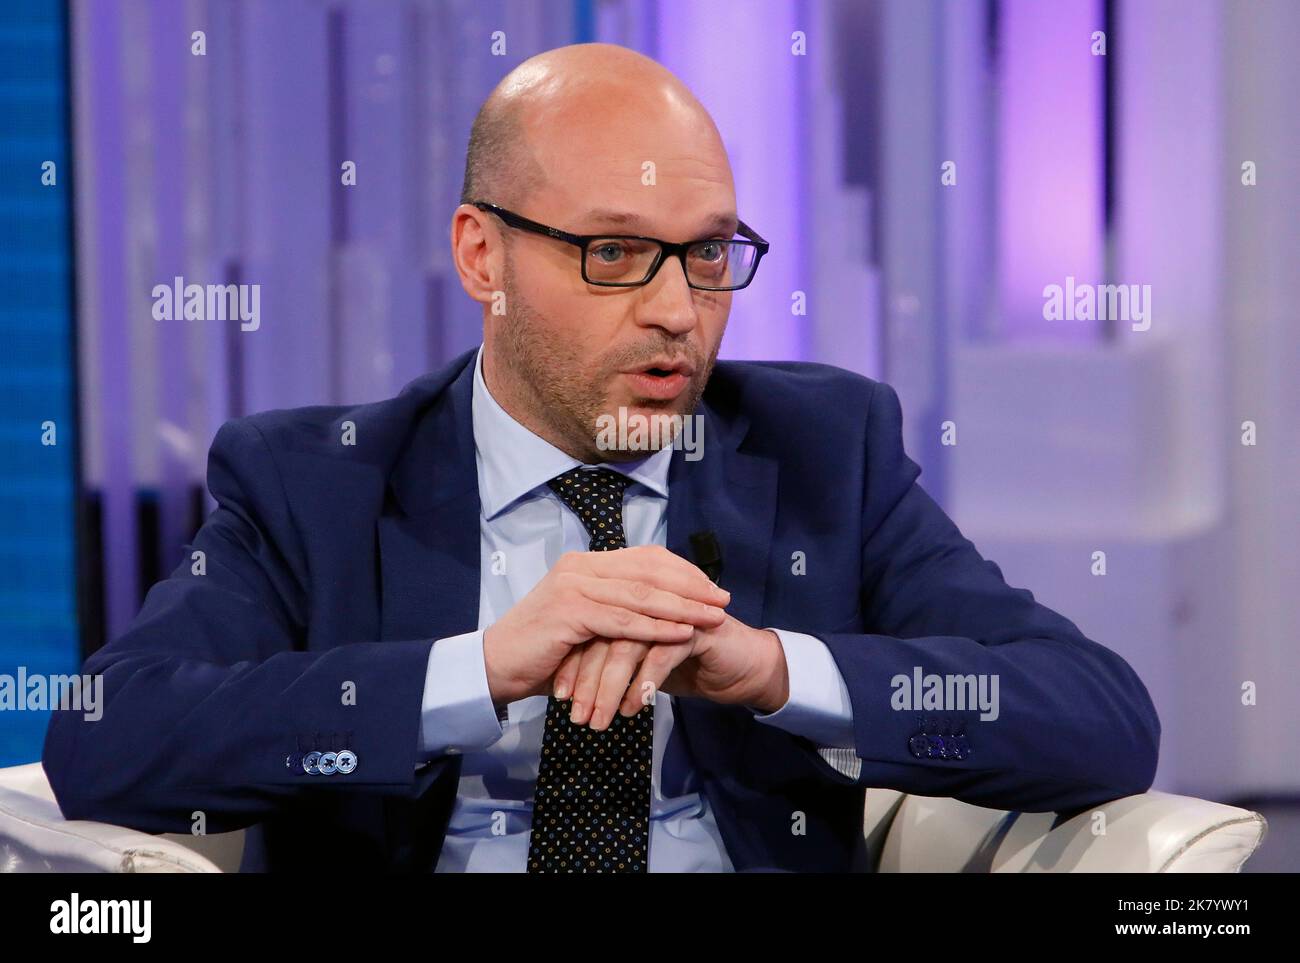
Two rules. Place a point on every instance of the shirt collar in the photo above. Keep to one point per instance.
(512, 461)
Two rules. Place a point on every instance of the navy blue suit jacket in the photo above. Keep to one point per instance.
(331, 564)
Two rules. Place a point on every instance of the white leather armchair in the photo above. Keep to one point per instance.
(1155, 832)
(35, 838)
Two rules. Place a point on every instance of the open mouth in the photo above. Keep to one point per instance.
(659, 382)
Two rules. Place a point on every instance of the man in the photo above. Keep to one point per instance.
(480, 636)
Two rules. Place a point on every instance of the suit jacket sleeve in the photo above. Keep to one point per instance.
(1076, 726)
(211, 691)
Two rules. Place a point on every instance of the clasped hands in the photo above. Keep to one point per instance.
(609, 629)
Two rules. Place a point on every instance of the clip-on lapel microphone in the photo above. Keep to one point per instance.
(708, 554)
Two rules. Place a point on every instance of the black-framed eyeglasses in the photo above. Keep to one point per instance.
(629, 260)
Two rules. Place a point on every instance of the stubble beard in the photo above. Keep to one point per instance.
(560, 403)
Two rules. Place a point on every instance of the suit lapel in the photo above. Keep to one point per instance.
(733, 494)
(429, 539)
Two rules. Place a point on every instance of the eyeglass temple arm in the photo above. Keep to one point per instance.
(518, 220)
(744, 230)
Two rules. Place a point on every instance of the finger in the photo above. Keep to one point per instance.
(567, 674)
(655, 564)
(642, 596)
(594, 618)
(620, 666)
(584, 690)
(658, 664)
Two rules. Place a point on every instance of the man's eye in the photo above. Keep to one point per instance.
(608, 253)
(711, 252)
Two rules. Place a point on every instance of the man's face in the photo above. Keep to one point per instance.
(571, 352)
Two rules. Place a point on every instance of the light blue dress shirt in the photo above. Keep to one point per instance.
(523, 529)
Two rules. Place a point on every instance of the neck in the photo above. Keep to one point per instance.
(521, 403)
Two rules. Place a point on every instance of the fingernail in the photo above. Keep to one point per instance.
(562, 691)
(575, 712)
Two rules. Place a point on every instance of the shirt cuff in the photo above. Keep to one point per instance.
(457, 711)
(818, 708)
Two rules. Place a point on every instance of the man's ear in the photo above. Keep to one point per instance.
(476, 252)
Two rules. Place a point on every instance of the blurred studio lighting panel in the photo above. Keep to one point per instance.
(38, 583)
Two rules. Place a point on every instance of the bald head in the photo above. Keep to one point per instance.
(560, 101)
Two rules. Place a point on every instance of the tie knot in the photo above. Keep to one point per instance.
(596, 496)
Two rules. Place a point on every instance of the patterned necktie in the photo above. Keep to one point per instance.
(591, 809)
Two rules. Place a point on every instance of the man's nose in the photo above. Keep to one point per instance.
(667, 301)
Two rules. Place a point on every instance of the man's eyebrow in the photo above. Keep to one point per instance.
(600, 219)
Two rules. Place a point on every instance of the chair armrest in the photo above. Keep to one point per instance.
(1154, 832)
(34, 836)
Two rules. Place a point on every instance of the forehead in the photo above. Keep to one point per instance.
(672, 200)
(661, 174)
